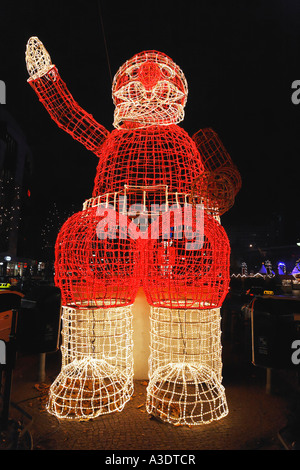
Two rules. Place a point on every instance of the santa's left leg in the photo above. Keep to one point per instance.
(185, 289)
(98, 277)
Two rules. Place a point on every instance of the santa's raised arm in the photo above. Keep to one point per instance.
(58, 101)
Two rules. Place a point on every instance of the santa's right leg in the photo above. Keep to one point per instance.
(185, 288)
(98, 277)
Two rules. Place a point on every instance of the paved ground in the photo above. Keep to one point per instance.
(253, 422)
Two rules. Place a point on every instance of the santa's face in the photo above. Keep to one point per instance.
(149, 89)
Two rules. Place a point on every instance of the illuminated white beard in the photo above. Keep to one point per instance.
(148, 115)
(158, 106)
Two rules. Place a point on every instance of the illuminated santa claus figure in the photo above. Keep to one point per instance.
(153, 221)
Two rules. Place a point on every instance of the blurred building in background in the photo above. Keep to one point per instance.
(16, 169)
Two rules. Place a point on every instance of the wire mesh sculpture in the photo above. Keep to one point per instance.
(153, 221)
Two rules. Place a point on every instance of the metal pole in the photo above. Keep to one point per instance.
(10, 363)
(6, 400)
(42, 362)
(269, 381)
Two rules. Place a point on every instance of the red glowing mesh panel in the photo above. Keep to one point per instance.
(66, 112)
(151, 156)
(92, 271)
(147, 164)
(198, 277)
(221, 181)
(95, 272)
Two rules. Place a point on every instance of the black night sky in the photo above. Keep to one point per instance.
(239, 57)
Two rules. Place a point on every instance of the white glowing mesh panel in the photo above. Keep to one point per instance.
(97, 363)
(38, 60)
(185, 366)
(179, 335)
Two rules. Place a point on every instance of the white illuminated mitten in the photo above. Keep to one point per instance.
(38, 60)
